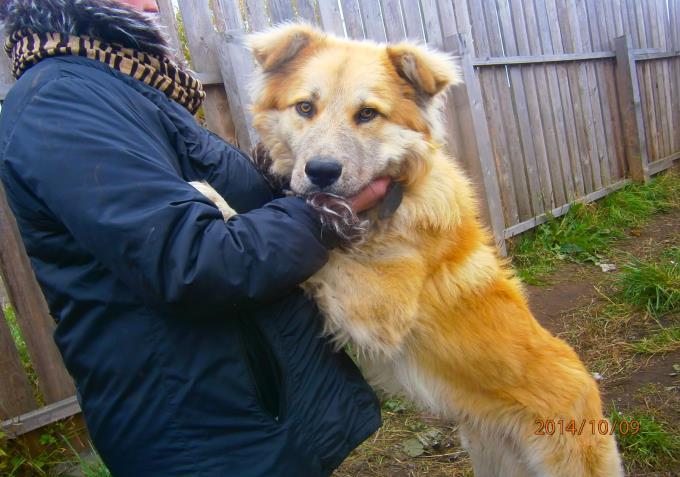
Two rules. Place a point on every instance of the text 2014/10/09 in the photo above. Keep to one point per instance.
(549, 427)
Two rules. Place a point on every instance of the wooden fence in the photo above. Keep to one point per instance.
(563, 101)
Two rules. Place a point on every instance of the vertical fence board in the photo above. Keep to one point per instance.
(16, 394)
(432, 24)
(527, 107)
(306, 10)
(372, 20)
(280, 11)
(200, 37)
(563, 182)
(478, 144)
(553, 183)
(236, 66)
(258, 20)
(412, 20)
(31, 310)
(331, 19)
(352, 16)
(169, 22)
(394, 24)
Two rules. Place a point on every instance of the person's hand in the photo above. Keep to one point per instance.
(371, 195)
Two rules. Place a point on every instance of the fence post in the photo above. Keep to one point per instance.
(631, 110)
(476, 143)
(201, 37)
(31, 309)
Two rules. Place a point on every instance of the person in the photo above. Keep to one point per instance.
(193, 350)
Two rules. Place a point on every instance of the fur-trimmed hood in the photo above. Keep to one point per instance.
(106, 20)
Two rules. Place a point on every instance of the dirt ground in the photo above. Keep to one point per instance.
(570, 306)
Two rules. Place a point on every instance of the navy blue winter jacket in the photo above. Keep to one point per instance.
(193, 350)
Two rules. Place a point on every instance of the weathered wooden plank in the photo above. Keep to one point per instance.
(371, 16)
(559, 211)
(256, 13)
(16, 394)
(663, 163)
(591, 100)
(488, 18)
(659, 92)
(664, 40)
(546, 58)
(431, 23)
(583, 113)
(478, 144)
(169, 21)
(646, 86)
(522, 104)
(394, 23)
(549, 153)
(562, 80)
(412, 20)
(502, 126)
(236, 65)
(201, 38)
(614, 28)
(563, 175)
(306, 10)
(447, 22)
(629, 104)
(331, 19)
(594, 30)
(352, 15)
(31, 310)
(42, 417)
(281, 11)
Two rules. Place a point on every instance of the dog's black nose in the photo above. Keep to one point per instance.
(323, 171)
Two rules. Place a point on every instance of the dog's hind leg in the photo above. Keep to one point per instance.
(493, 455)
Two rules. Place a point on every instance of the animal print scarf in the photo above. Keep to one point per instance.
(26, 48)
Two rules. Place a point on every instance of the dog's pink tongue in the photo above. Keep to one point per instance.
(371, 195)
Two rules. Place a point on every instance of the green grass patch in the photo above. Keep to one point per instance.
(668, 339)
(652, 286)
(587, 232)
(15, 331)
(652, 446)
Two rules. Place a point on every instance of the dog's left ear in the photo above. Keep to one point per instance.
(430, 72)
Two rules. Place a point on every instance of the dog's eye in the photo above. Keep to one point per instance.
(305, 108)
(366, 115)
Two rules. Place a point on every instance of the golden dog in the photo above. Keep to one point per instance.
(432, 310)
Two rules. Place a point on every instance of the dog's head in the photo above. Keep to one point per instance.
(338, 113)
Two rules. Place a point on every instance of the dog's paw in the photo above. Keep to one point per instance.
(338, 219)
(263, 163)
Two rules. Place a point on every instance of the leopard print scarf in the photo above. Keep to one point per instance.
(26, 48)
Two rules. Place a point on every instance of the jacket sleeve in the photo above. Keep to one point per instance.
(100, 161)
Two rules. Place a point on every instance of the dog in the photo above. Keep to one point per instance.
(431, 309)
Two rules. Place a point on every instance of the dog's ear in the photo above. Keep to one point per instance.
(430, 72)
(276, 47)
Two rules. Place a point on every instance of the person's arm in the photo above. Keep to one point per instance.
(104, 170)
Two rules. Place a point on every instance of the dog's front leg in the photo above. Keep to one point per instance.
(371, 302)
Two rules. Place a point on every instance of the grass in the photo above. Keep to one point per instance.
(654, 445)
(653, 286)
(586, 233)
(664, 341)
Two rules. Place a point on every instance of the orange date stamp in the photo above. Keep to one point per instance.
(549, 427)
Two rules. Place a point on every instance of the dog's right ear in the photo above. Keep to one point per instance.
(276, 47)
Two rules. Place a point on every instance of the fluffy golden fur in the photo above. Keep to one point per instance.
(433, 311)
